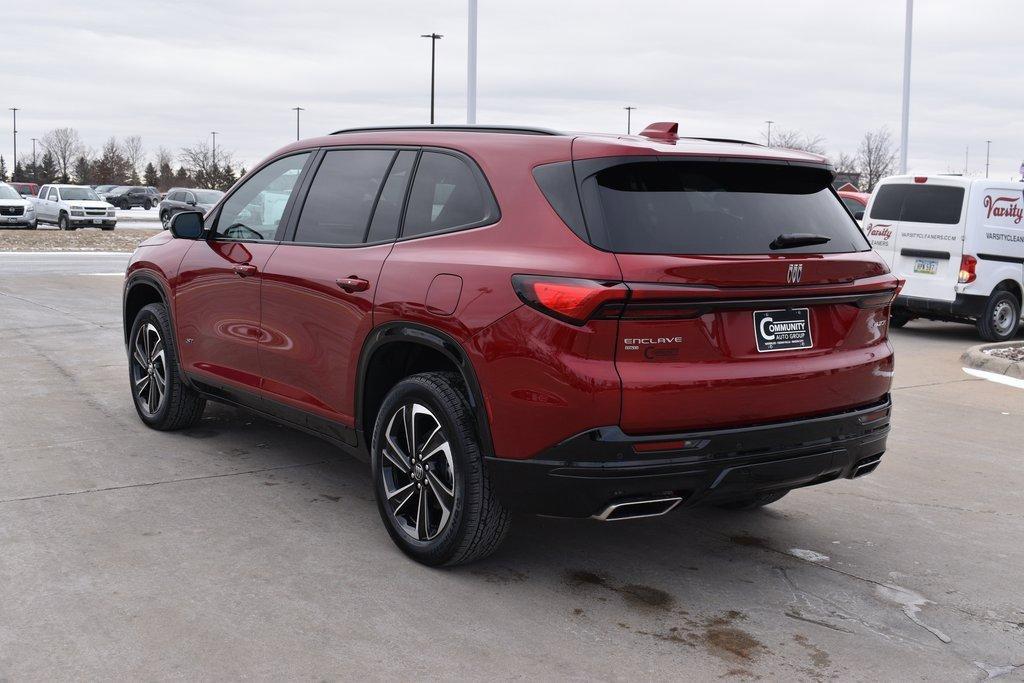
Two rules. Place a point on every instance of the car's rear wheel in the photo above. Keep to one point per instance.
(431, 486)
(161, 399)
(754, 502)
(1001, 318)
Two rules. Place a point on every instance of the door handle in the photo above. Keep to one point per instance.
(244, 270)
(353, 284)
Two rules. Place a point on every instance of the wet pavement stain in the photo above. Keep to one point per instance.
(500, 575)
(636, 595)
(731, 641)
(819, 657)
(750, 541)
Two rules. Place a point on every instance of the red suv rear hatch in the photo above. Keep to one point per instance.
(754, 297)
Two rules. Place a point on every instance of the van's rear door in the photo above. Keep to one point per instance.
(926, 218)
(730, 323)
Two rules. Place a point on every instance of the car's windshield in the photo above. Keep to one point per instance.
(105, 188)
(118, 190)
(208, 196)
(8, 192)
(78, 193)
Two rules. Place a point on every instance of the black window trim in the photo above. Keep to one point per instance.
(289, 236)
(210, 225)
(482, 182)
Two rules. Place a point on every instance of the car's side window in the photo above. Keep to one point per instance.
(44, 191)
(255, 210)
(388, 213)
(446, 194)
(342, 195)
(174, 197)
(54, 196)
(187, 197)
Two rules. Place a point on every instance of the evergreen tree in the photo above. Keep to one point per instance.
(181, 177)
(48, 169)
(227, 178)
(242, 172)
(83, 171)
(3, 169)
(18, 173)
(150, 177)
(166, 176)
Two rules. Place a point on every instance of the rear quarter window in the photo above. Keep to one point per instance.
(941, 204)
(702, 207)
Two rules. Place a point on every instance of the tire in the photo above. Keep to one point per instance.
(33, 225)
(64, 223)
(177, 406)
(165, 220)
(898, 319)
(412, 491)
(147, 205)
(1001, 319)
(754, 502)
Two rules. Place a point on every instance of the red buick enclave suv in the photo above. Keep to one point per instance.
(507, 319)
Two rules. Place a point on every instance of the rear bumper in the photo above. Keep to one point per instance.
(963, 307)
(584, 474)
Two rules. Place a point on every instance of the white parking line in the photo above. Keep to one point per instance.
(993, 377)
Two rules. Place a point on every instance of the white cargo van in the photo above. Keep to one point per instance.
(959, 244)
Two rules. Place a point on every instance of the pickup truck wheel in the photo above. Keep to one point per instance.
(754, 502)
(432, 488)
(63, 222)
(1001, 318)
(161, 399)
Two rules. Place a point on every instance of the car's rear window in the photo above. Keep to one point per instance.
(702, 207)
(918, 203)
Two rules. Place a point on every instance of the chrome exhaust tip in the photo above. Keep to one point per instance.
(638, 509)
(867, 466)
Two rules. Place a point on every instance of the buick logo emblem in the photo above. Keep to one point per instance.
(796, 271)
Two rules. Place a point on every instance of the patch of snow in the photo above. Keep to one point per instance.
(994, 671)
(911, 603)
(808, 555)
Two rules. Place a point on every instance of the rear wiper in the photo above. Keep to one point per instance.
(788, 240)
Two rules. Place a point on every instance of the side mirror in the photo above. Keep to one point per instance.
(187, 225)
(191, 202)
(859, 215)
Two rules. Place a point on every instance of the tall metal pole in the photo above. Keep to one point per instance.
(434, 37)
(769, 132)
(988, 148)
(629, 120)
(967, 155)
(471, 66)
(14, 164)
(905, 124)
(214, 134)
(35, 170)
(297, 110)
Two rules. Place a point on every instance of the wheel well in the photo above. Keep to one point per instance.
(137, 297)
(1012, 287)
(388, 366)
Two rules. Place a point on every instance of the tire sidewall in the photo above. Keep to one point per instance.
(63, 222)
(150, 314)
(465, 456)
(989, 330)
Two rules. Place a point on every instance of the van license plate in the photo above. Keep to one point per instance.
(781, 330)
(926, 266)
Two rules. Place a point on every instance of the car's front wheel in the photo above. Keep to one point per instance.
(63, 222)
(161, 399)
(147, 205)
(165, 219)
(432, 489)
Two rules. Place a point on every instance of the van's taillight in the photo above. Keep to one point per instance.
(968, 269)
(571, 300)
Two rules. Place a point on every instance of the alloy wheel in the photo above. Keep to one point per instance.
(149, 369)
(418, 472)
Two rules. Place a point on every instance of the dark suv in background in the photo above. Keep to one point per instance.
(127, 197)
(180, 199)
(509, 319)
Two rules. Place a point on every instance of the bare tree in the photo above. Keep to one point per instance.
(876, 157)
(845, 163)
(198, 163)
(133, 152)
(65, 146)
(794, 139)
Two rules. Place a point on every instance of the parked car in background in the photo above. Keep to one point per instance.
(104, 190)
(129, 196)
(958, 243)
(15, 210)
(25, 189)
(856, 202)
(501, 319)
(187, 199)
(70, 207)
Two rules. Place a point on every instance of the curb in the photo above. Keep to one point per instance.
(976, 358)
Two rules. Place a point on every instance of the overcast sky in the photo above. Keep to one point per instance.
(174, 71)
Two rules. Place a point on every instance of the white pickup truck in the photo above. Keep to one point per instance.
(70, 207)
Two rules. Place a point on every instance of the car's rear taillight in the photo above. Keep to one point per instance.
(571, 300)
(968, 269)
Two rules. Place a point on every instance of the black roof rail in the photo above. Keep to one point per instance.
(740, 142)
(515, 130)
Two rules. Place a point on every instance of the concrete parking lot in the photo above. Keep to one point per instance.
(241, 548)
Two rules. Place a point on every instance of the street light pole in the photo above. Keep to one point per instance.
(214, 134)
(905, 122)
(769, 132)
(629, 120)
(35, 170)
(14, 164)
(434, 37)
(471, 66)
(297, 110)
(988, 148)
